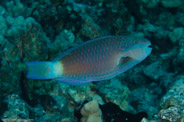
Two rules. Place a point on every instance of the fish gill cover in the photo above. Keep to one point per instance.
(40, 30)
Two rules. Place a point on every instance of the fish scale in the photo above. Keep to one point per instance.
(97, 53)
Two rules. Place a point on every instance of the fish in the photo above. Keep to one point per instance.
(95, 60)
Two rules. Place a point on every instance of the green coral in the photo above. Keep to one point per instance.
(172, 3)
(176, 34)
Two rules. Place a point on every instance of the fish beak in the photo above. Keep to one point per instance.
(148, 48)
(149, 45)
(138, 52)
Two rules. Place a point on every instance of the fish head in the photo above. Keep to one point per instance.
(144, 46)
(138, 49)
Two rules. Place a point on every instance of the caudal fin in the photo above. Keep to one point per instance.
(43, 69)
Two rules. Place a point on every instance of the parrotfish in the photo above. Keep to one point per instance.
(94, 60)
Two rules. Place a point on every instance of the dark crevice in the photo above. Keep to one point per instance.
(47, 102)
(24, 88)
(3, 107)
(0, 62)
(134, 10)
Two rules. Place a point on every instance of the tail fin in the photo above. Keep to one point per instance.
(43, 69)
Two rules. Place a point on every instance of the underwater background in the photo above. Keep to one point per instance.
(39, 30)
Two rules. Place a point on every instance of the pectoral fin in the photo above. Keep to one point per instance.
(126, 63)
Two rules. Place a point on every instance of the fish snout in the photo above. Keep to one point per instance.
(148, 48)
(139, 52)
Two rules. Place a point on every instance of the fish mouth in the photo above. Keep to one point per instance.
(149, 45)
(148, 48)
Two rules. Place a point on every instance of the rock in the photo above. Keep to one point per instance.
(16, 7)
(172, 103)
(81, 93)
(90, 29)
(3, 25)
(154, 70)
(17, 108)
(113, 91)
(2, 10)
(22, 41)
(180, 56)
(171, 3)
(178, 61)
(98, 99)
(91, 112)
(63, 41)
(142, 99)
(172, 114)
(150, 3)
(176, 34)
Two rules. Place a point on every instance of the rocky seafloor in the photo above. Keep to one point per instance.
(41, 29)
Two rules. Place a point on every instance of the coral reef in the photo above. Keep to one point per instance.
(89, 28)
(150, 3)
(180, 56)
(63, 41)
(41, 30)
(176, 34)
(111, 93)
(172, 3)
(21, 42)
(156, 70)
(172, 103)
(17, 108)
